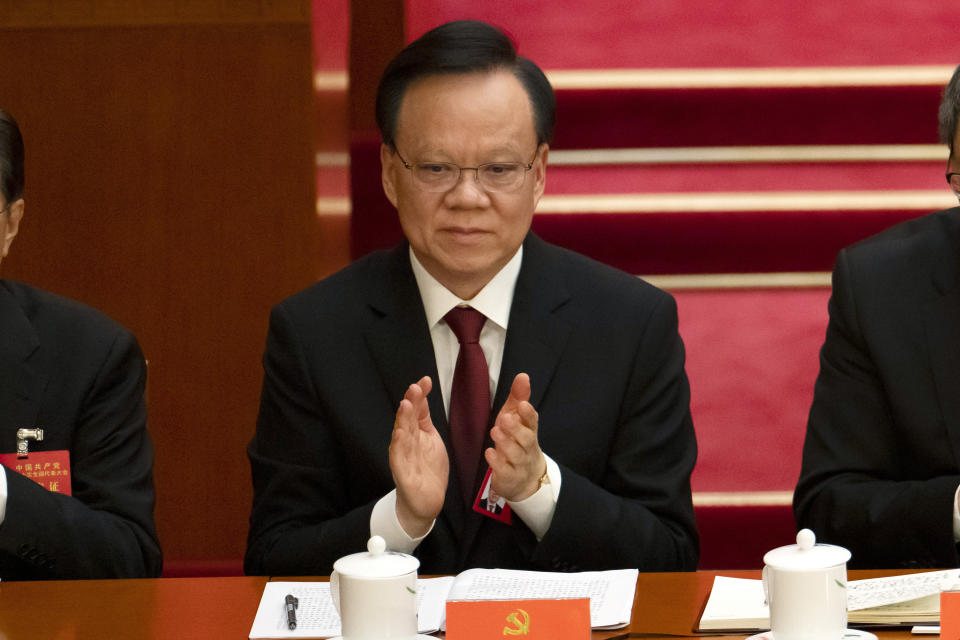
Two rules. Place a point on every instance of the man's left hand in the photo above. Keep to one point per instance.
(516, 461)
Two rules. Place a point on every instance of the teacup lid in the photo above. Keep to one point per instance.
(376, 562)
(806, 554)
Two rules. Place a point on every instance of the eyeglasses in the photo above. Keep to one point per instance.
(496, 177)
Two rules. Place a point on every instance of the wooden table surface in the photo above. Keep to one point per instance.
(129, 609)
(667, 604)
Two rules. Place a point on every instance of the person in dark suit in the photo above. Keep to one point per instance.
(587, 431)
(73, 373)
(881, 459)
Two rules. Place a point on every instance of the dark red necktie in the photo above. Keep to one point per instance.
(469, 396)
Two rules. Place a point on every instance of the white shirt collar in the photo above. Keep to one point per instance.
(493, 301)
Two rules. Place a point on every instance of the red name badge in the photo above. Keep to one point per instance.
(566, 619)
(950, 615)
(489, 503)
(49, 469)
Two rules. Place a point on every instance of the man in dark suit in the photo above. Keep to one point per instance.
(881, 460)
(586, 430)
(69, 371)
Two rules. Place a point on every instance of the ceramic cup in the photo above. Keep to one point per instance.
(375, 594)
(806, 589)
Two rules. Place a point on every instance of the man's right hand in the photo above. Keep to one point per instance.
(418, 462)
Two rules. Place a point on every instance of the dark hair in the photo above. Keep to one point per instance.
(950, 110)
(11, 158)
(463, 46)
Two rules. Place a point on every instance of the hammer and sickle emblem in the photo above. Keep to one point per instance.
(521, 621)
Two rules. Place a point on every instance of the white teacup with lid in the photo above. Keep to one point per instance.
(375, 593)
(806, 588)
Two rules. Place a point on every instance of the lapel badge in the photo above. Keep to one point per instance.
(23, 440)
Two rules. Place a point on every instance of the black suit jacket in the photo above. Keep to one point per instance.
(881, 460)
(69, 369)
(606, 367)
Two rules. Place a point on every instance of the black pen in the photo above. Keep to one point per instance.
(291, 604)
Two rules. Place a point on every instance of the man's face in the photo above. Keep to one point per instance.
(465, 235)
(10, 217)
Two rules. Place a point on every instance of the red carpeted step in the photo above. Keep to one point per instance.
(743, 177)
(602, 118)
(715, 242)
(752, 359)
(571, 34)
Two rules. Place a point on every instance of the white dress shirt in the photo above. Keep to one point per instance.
(956, 516)
(494, 302)
(3, 493)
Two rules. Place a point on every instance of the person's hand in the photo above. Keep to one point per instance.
(418, 462)
(516, 461)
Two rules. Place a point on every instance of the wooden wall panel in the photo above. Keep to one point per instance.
(170, 183)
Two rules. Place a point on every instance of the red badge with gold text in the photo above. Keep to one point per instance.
(49, 469)
(490, 504)
(567, 619)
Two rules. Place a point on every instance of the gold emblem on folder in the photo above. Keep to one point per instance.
(521, 621)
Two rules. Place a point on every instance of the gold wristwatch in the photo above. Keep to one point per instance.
(544, 479)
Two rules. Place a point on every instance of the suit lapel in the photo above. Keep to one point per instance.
(941, 323)
(400, 340)
(401, 347)
(942, 329)
(21, 382)
(536, 337)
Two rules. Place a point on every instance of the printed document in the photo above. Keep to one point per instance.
(611, 596)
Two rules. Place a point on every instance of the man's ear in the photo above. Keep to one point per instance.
(540, 172)
(13, 224)
(388, 174)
